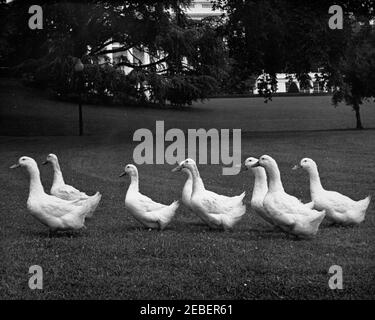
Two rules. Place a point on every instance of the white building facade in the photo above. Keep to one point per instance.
(285, 81)
(197, 11)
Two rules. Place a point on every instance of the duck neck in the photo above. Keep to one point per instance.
(315, 183)
(197, 181)
(57, 174)
(36, 187)
(274, 179)
(260, 183)
(134, 183)
(189, 180)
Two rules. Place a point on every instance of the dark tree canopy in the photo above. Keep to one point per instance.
(355, 74)
(293, 36)
(182, 66)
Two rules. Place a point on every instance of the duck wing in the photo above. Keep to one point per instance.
(57, 207)
(284, 208)
(219, 204)
(310, 205)
(68, 192)
(147, 204)
(337, 201)
(293, 205)
(166, 214)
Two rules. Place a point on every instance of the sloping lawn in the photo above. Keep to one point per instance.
(116, 258)
(27, 112)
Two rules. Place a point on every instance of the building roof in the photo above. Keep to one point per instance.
(201, 9)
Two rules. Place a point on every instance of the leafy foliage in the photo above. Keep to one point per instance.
(355, 77)
(186, 57)
(270, 36)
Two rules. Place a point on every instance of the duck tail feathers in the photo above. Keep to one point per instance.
(166, 214)
(364, 203)
(228, 221)
(92, 203)
(241, 208)
(241, 196)
(239, 211)
(317, 220)
(174, 205)
(238, 207)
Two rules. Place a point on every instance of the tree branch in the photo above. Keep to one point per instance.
(119, 49)
(102, 46)
(139, 60)
(136, 66)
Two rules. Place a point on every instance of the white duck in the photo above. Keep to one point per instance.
(64, 191)
(259, 190)
(148, 212)
(216, 210)
(187, 189)
(339, 208)
(55, 213)
(287, 211)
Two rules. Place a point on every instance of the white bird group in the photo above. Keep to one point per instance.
(277, 207)
(67, 208)
(216, 210)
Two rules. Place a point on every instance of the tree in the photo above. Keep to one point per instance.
(355, 77)
(181, 67)
(271, 36)
(5, 31)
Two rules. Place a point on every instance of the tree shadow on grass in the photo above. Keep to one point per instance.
(336, 226)
(58, 234)
(249, 133)
(139, 228)
(258, 235)
(198, 227)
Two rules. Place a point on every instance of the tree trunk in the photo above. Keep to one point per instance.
(358, 116)
(80, 118)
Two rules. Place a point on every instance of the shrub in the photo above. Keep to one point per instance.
(293, 88)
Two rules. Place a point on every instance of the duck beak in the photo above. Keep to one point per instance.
(178, 168)
(122, 174)
(45, 162)
(256, 164)
(296, 167)
(17, 165)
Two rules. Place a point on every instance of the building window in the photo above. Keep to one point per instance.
(118, 56)
(207, 5)
(304, 87)
(291, 87)
(318, 87)
(138, 56)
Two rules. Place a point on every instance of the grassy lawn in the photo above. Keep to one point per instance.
(116, 258)
(24, 112)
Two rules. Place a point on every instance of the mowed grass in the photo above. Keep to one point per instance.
(115, 258)
(27, 112)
